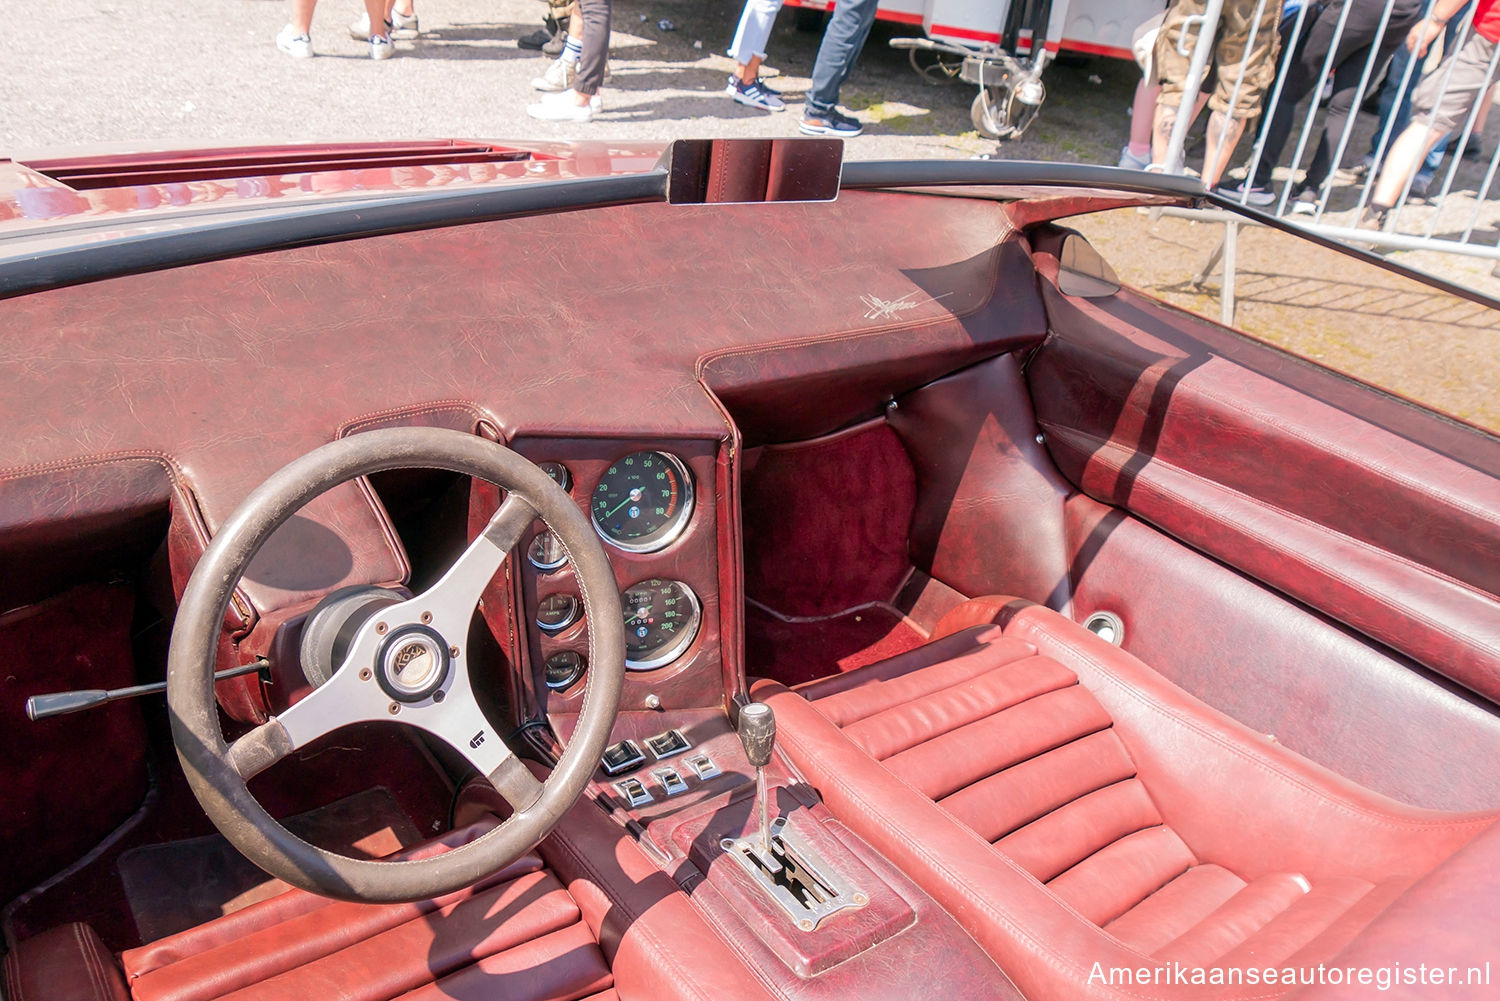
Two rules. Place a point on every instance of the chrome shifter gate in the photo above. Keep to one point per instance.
(795, 876)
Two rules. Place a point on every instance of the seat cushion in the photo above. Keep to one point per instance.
(518, 928)
(66, 963)
(1068, 822)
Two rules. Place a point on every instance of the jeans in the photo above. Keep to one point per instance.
(846, 34)
(1305, 74)
(754, 30)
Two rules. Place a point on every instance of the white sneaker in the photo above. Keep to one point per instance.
(563, 107)
(294, 43)
(405, 25)
(359, 28)
(559, 76)
(399, 26)
(381, 47)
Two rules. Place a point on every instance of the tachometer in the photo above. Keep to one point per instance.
(661, 621)
(643, 502)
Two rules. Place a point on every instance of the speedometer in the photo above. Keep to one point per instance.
(661, 621)
(643, 501)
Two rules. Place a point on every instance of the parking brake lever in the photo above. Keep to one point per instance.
(757, 732)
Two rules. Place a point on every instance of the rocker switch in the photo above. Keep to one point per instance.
(671, 780)
(703, 766)
(634, 792)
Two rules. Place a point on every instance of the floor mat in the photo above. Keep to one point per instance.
(182, 884)
(792, 651)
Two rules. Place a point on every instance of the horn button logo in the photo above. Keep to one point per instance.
(412, 663)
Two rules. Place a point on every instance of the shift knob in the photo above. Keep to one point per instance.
(757, 732)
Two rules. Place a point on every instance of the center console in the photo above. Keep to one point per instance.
(748, 844)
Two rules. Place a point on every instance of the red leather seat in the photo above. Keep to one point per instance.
(519, 927)
(588, 917)
(1071, 808)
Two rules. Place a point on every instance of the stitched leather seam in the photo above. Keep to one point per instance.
(666, 957)
(724, 933)
(1343, 806)
(1253, 501)
(162, 459)
(1352, 583)
(12, 978)
(923, 697)
(1108, 782)
(1058, 960)
(462, 406)
(90, 962)
(1385, 472)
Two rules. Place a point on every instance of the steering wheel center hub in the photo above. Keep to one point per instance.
(412, 663)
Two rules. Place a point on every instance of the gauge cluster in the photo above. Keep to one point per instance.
(654, 509)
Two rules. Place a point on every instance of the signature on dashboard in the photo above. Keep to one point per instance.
(877, 308)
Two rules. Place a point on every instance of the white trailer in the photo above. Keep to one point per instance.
(989, 43)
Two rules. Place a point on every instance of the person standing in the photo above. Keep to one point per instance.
(1443, 100)
(296, 38)
(1245, 60)
(748, 50)
(1350, 54)
(559, 75)
(582, 101)
(842, 41)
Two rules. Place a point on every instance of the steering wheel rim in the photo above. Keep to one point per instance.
(218, 772)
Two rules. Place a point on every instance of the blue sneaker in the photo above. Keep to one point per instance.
(829, 123)
(1130, 161)
(754, 94)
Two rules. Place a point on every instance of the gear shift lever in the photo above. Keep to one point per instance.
(757, 732)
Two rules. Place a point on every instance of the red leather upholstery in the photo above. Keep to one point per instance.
(516, 934)
(1070, 807)
(66, 963)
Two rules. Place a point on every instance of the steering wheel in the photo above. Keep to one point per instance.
(406, 661)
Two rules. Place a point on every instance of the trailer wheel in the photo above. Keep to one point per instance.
(987, 118)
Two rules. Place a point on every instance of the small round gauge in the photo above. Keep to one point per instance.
(643, 502)
(557, 612)
(547, 553)
(661, 620)
(563, 668)
(558, 472)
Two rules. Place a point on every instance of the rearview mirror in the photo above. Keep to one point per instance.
(700, 171)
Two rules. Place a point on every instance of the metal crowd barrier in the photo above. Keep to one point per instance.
(1456, 218)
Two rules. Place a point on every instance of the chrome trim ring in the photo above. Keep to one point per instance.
(574, 614)
(679, 643)
(1107, 626)
(412, 663)
(535, 553)
(673, 529)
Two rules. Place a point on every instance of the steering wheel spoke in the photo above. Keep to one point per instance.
(464, 727)
(349, 697)
(452, 599)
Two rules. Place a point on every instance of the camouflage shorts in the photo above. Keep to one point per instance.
(1233, 49)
